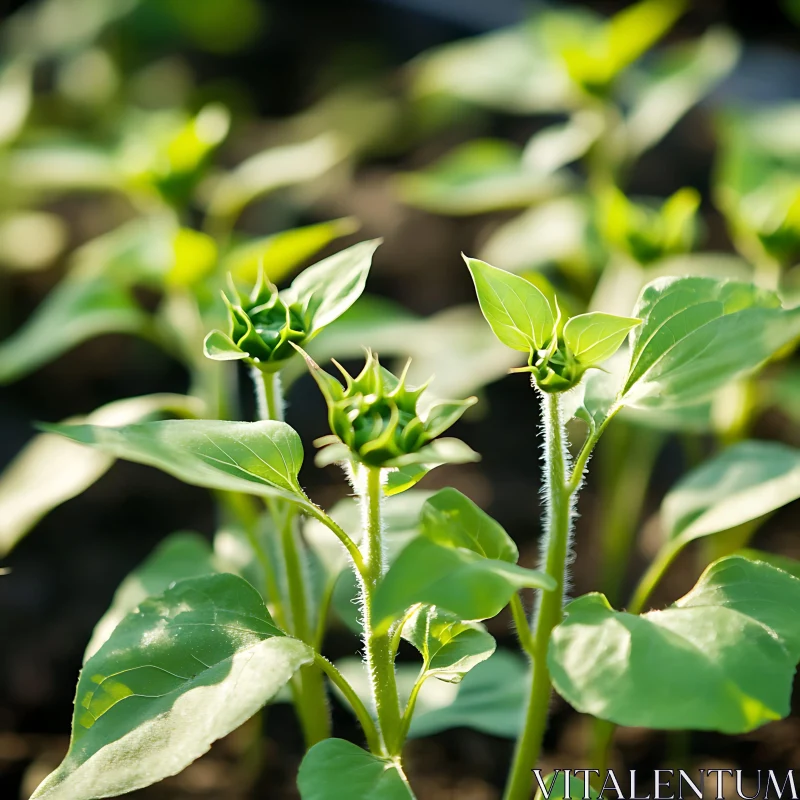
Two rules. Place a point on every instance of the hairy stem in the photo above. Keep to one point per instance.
(308, 686)
(378, 647)
(550, 609)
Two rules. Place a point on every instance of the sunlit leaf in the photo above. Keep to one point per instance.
(515, 309)
(180, 556)
(731, 645)
(449, 647)
(742, 483)
(457, 580)
(51, 470)
(697, 334)
(594, 337)
(181, 671)
(449, 518)
(261, 458)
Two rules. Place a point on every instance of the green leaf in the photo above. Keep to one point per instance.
(272, 169)
(444, 450)
(261, 458)
(481, 176)
(742, 483)
(453, 520)
(491, 699)
(330, 287)
(76, 310)
(595, 337)
(338, 770)
(515, 309)
(460, 581)
(790, 565)
(731, 645)
(682, 76)
(50, 470)
(180, 556)
(756, 589)
(181, 671)
(552, 787)
(449, 647)
(282, 252)
(699, 333)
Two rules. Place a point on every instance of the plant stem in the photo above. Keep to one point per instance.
(550, 610)
(378, 648)
(308, 686)
(626, 477)
(359, 709)
(521, 624)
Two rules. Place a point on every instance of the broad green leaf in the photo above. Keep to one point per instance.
(457, 580)
(481, 176)
(444, 450)
(338, 770)
(595, 337)
(558, 145)
(180, 556)
(281, 252)
(261, 458)
(449, 647)
(682, 76)
(275, 168)
(330, 287)
(453, 520)
(731, 645)
(742, 483)
(757, 589)
(699, 333)
(181, 671)
(76, 310)
(552, 787)
(515, 309)
(491, 699)
(510, 70)
(50, 470)
(16, 94)
(635, 29)
(790, 565)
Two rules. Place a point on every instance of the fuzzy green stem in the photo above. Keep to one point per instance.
(359, 709)
(308, 686)
(378, 647)
(408, 714)
(550, 611)
(521, 624)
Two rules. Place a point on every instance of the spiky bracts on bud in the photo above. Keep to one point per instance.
(375, 420)
(262, 327)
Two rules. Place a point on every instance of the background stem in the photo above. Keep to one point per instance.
(550, 610)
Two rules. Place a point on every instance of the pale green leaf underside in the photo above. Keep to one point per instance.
(183, 670)
(50, 470)
(515, 309)
(261, 458)
(338, 770)
(457, 580)
(742, 483)
(722, 658)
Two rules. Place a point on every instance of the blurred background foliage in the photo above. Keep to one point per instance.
(150, 147)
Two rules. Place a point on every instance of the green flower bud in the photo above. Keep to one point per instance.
(262, 327)
(375, 420)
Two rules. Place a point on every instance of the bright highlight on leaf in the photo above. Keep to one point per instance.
(181, 671)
